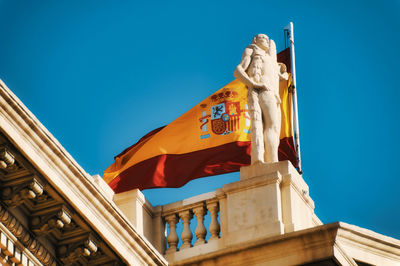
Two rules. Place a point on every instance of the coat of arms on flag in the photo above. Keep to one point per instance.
(223, 114)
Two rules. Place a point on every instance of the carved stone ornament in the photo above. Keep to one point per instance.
(16, 195)
(34, 246)
(55, 220)
(73, 252)
(260, 72)
(7, 160)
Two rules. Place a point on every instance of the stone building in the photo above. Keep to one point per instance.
(54, 213)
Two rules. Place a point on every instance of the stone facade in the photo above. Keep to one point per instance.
(53, 213)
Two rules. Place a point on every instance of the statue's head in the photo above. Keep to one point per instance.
(262, 41)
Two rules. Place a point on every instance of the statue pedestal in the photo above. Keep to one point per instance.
(270, 199)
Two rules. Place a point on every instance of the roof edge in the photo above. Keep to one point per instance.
(51, 159)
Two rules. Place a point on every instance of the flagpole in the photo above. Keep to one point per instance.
(294, 96)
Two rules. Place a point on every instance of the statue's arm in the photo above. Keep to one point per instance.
(240, 71)
(283, 75)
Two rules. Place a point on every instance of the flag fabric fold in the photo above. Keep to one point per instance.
(211, 138)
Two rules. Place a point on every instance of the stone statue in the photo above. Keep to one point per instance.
(260, 72)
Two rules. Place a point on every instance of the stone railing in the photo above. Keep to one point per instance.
(185, 211)
(269, 200)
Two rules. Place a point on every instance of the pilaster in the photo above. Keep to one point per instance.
(137, 210)
(296, 206)
(254, 208)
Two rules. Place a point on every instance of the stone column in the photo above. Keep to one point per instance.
(186, 235)
(214, 225)
(200, 231)
(172, 238)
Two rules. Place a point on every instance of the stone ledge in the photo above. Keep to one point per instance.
(259, 180)
(189, 203)
(262, 169)
(321, 243)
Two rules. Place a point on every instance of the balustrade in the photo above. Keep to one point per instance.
(175, 212)
(187, 235)
(172, 238)
(214, 225)
(201, 230)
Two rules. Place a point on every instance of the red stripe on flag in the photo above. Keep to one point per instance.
(175, 170)
(284, 57)
(286, 151)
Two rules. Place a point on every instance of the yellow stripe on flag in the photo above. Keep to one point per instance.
(219, 119)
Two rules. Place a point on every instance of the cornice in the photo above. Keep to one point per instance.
(58, 167)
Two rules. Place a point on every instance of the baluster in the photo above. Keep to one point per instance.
(172, 238)
(214, 228)
(200, 231)
(186, 235)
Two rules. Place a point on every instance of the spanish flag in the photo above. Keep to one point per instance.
(212, 138)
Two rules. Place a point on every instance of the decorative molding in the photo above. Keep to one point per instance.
(15, 195)
(36, 204)
(34, 246)
(72, 183)
(12, 251)
(75, 251)
(7, 159)
(55, 220)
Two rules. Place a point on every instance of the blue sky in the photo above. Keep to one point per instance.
(101, 74)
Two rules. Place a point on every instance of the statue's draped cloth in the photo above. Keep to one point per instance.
(211, 138)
